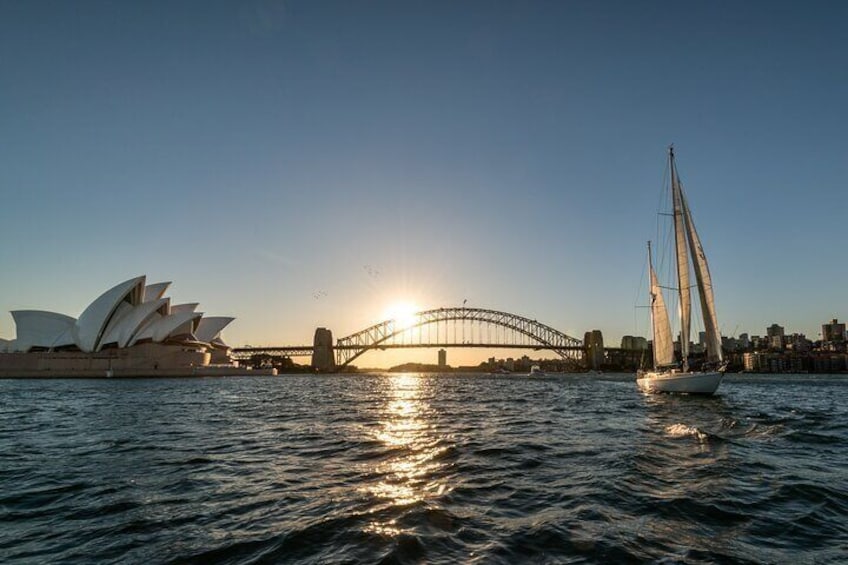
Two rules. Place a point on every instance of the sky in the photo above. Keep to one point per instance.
(301, 164)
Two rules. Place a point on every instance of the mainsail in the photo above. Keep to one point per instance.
(663, 344)
(682, 262)
(705, 288)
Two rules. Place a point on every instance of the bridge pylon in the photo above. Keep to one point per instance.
(593, 356)
(323, 352)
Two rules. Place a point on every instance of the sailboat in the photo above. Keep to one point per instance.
(668, 375)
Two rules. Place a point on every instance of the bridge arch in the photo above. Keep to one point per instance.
(540, 336)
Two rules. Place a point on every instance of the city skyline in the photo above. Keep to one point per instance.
(297, 165)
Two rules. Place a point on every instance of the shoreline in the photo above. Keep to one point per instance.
(141, 373)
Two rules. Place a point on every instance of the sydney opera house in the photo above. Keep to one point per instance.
(132, 329)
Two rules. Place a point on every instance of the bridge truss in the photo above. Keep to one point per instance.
(459, 327)
(284, 351)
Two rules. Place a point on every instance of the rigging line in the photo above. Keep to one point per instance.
(642, 279)
(663, 188)
(665, 234)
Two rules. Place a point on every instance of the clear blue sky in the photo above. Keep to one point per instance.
(260, 153)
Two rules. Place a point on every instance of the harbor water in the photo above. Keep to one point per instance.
(409, 468)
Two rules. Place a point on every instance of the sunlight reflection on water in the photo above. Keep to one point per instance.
(406, 477)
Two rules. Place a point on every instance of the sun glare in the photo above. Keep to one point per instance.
(403, 313)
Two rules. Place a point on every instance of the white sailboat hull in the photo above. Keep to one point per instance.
(674, 381)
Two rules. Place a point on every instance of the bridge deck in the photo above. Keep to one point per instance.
(304, 350)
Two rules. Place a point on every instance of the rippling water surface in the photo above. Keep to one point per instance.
(422, 468)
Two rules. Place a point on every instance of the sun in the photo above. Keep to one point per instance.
(403, 313)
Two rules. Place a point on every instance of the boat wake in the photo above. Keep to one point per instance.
(682, 430)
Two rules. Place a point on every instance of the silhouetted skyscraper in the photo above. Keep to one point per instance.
(833, 332)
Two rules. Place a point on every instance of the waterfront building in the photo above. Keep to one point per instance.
(797, 364)
(830, 363)
(775, 363)
(131, 329)
(775, 337)
(798, 343)
(834, 332)
(751, 361)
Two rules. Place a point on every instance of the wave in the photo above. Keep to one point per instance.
(467, 470)
(682, 430)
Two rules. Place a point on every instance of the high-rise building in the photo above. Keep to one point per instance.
(776, 336)
(833, 332)
(443, 358)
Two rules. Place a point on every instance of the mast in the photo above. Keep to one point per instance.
(682, 262)
(651, 293)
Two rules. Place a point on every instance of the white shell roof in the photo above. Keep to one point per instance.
(186, 328)
(39, 328)
(94, 319)
(125, 314)
(159, 329)
(114, 322)
(178, 308)
(142, 328)
(155, 291)
(210, 328)
(122, 331)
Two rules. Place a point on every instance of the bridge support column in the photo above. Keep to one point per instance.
(593, 357)
(323, 354)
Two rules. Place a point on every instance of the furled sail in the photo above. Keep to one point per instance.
(682, 264)
(663, 344)
(705, 288)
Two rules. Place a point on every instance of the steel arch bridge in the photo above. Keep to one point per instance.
(459, 327)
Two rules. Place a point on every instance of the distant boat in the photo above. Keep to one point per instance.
(536, 371)
(667, 374)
